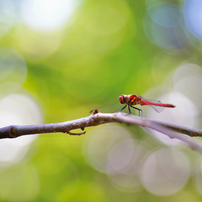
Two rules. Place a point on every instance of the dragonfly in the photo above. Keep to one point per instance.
(131, 100)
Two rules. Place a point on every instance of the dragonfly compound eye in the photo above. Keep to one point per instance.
(121, 99)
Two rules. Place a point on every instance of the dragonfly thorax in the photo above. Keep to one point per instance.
(130, 99)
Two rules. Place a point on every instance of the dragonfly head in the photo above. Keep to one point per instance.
(123, 99)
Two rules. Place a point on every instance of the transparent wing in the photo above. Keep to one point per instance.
(156, 108)
(110, 108)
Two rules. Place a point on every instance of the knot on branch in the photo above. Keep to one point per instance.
(13, 133)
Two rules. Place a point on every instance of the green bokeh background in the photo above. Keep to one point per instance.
(103, 53)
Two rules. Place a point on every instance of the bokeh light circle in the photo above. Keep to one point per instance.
(198, 175)
(193, 16)
(12, 67)
(8, 16)
(17, 109)
(165, 171)
(47, 15)
(99, 146)
(111, 150)
(163, 26)
(187, 80)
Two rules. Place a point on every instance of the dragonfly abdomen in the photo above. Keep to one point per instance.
(157, 104)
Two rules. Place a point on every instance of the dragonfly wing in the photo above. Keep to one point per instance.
(156, 108)
(110, 108)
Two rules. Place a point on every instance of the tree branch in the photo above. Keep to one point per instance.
(95, 119)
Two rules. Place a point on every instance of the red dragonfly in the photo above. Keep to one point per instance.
(132, 100)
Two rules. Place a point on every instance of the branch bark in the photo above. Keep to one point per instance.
(168, 129)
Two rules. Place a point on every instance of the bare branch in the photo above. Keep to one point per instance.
(187, 140)
(95, 119)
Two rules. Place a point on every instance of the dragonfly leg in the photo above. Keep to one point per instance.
(129, 109)
(122, 108)
(139, 110)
